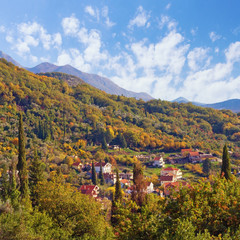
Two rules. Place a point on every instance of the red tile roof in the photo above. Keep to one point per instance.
(170, 169)
(194, 154)
(76, 164)
(124, 181)
(166, 178)
(98, 164)
(157, 158)
(87, 189)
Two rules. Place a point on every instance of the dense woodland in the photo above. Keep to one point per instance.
(64, 118)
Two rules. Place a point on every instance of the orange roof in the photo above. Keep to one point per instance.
(166, 178)
(87, 189)
(194, 154)
(124, 181)
(170, 169)
(157, 158)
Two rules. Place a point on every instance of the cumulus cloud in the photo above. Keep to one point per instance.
(90, 10)
(168, 22)
(141, 18)
(70, 25)
(233, 52)
(198, 58)
(214, 36)
(105, 15)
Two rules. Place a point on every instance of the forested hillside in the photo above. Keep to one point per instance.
(58, 120)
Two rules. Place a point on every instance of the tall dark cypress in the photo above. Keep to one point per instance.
(13, 191)
(4, 190)
(94, 176)
(118, 189)
(226, 168)
(35, 176)
(22, 164)
(101, 177)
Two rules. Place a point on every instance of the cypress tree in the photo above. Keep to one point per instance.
(94, 176)
(4, 184)
(226, 168)
(13, 191)
(118, 189)
(22, 165)
(207, 167)
(104, 144)
(35, 176)
(101, 177)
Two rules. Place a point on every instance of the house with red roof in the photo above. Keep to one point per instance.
(158, 162)
(170, 171)
(167, 179)
(91, 190)
(106, 167)
(194, 157)
(77, 166)
(174, 186)
(184, 151)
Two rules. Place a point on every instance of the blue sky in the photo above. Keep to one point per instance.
(173, 48)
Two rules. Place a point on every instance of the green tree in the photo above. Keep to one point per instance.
(94, 175)
(104, 143)
(13, 191)
(226, 166)
(22, 165)
(35, 176)
(101, 177)
(207, 165)
(4, 183)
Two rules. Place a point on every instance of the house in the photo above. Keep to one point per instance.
(91, 190)
(194, 157)
(185, 152)
(158, 162)
(128, 176)
(167, 179)
(106, 167)
(77, 165)
(125, 182)
(110, 178)
(170, 171)
(150, 187)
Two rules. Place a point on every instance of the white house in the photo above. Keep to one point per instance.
(106, 167)
(177, 173)
(158, 162)
(150, 187)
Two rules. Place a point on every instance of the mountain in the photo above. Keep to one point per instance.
(9, 59)
(231, 104)
(95, 80)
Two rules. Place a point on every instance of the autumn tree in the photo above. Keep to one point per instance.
(140, 185)
(226, 168)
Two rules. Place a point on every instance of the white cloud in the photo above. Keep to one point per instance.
(90, 10)
(105, 15)
(141, 18)
(2, 29)
(171, 24)
(70, 25)
(168, 6)
(233, 52)
(214, 36)
(198, 58)
(194, 31)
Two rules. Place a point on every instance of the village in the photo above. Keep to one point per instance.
(169, 176)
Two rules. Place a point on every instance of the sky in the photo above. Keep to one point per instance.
(166, 48)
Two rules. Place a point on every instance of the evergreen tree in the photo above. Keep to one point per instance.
(101, 177)
(4, 181)
(226, 168)
(207, 165)
(118, 189)
(13, 191)
(122, 141)
(104, 144)
(35, 176)
(116, 199)
(94, 175)
(22, 165)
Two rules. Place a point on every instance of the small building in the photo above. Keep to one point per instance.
(170, 171)
(106, 167)
(128, 176)
(167, 179)
(125, 182)
(194, 157)
(91, 190)
(158, 162)
(150, 187)
(185, 152)
(77, 165)
(110, 178)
